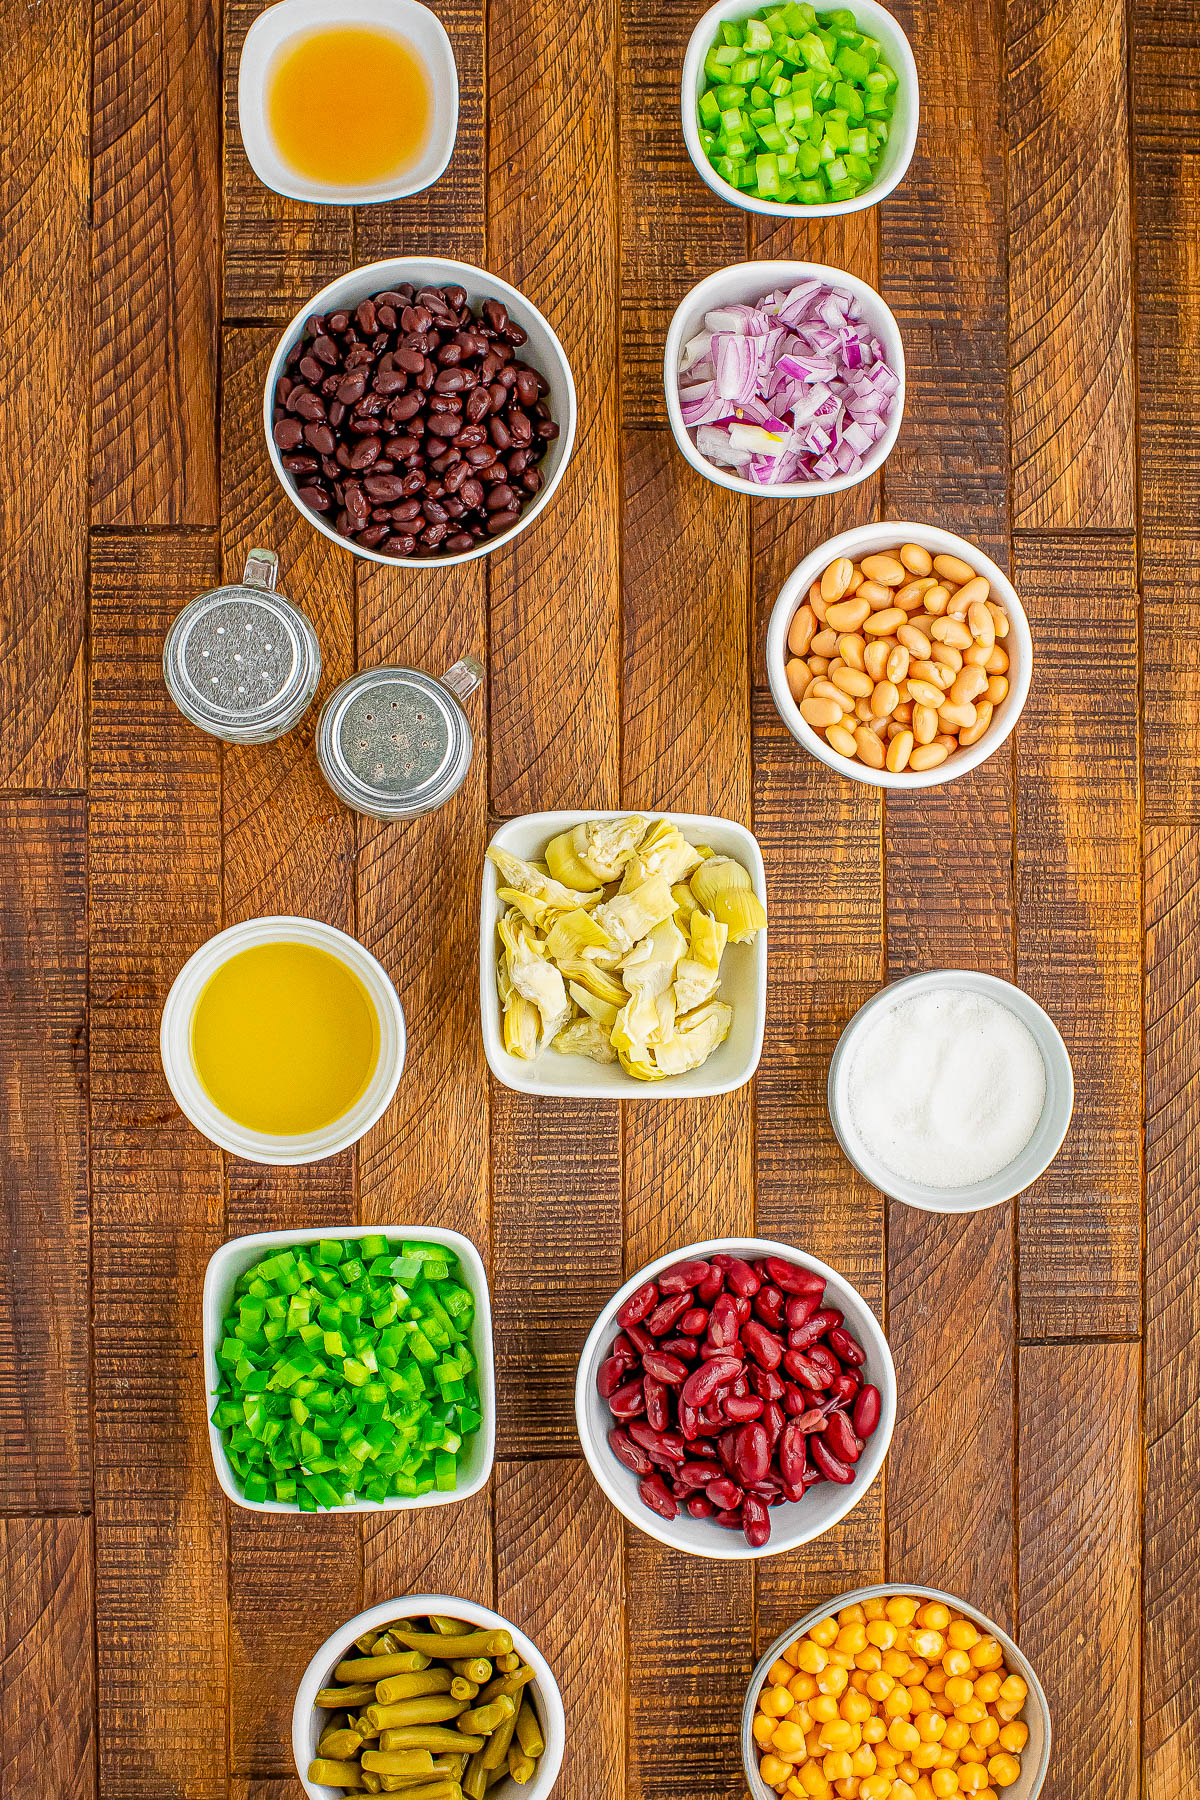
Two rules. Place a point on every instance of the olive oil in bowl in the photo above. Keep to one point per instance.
(349, 105)
(284, 1038)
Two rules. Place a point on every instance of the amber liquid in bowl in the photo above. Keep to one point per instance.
(349, 105)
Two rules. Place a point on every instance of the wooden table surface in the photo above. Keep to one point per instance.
(1046, 1462)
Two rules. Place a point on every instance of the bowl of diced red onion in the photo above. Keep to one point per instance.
(784, 378)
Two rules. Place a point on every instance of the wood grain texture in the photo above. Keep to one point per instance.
(1079, 1562)
(158, 1207)
(437, 1550)
(1165, 88)
(45, 1449)
(1171, 1660)
(156, 219)
(555, 590)
(46, 1651)
(1079, 929)
(44, 184)
(252, 1788)
(1069, 266)
(559, 1572)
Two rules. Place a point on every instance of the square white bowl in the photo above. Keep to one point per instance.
(421, 30)
(239, 1254)
(902, 130)
(743, 975)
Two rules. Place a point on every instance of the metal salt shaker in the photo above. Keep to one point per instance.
(394, 743)
(242, 662)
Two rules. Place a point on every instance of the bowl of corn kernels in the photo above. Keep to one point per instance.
(895, 1693)
(899, 654)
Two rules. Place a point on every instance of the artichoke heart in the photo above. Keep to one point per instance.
(723, 887)
(697, 1035)
(574, 932)
(663, 851)
(708, 939)
(638, 1067)
(536, 911)
(585, 1038)
(629, 917)
(535, 979)
(685, 902)
(521, 1026)
(527, 878)
(695, 983)
(606, 845)
(603, 1011)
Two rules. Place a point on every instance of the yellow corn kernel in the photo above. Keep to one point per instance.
(812, 1744)
(875, 1787)
(841, 1659)
(886, 1757)
(773, 1771)
(874, 1731)
(922, 1789)
(956, 1734)
(936, 1679)
(833, 1680)
(775, 1701)
(838, 1734)
(1003, 1769)
(931, 1726)
(987, 1686)
(907, 1771)
(763, 1726)
(956, 1662)
(927, 1644)
(793, 1787)
(927, 1756)
(858, 1681)
(919, 1698)
(812, 1780)
(846, 1790)
(873, 1609)
(902, 1791)
(962, 1634)
(864, 1760)
(1014, 1737)
(801, 1686)
(780, 1673)
(800, 1716)
(901, 1610)
(972, 1778)
(851, 1639)
(792, 1652)
(986, 1654)
(812, 1658)
(918, 1669)
(823, 1632)
(880, 1685)
(869, 1659)
(985, 1732)
(1006, 1713)
(835, 1765)
(972, 1753)
(896, 1663)
(959, 1690)
(789, 1741)
(1012, 1690)
(823, 1707)
(944, 1781)
(852, 1615)
(903, 1736)
(855, 1707)
(882, 1633)
(934, 1615)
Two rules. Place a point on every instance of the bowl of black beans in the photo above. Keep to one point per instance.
(419, 410)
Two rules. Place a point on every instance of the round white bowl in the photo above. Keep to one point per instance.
(176, 1049)
(745, 284)
(543, 352)
(1048, 1135)
(902, 128)
(1035, 1758)
(231, 1261)
(424, 34)
(864, 541)
(308, 1721)
(793, 1523)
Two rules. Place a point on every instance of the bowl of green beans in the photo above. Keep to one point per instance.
(436, 1697)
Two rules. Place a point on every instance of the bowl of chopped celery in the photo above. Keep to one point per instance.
(795, 110)
(623, 955)
(350, 1369)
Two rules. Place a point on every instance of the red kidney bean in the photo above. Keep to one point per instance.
(732, 1521)
(700, 1508)
(626, 1402)
(667, 1313)
(799, 1308)
(867, 1409)
(609, 1376)
(667, 1444)
(696, 1474)
(752, 1453)
(840, 1438)
(725, 1493)
(708, 1289)
(703, 1382)
(740, 1278)
(639, 1338)
(639, 1303)
(726, 1448)
(813, 1328)
(774, 1419)
(741, 1306)
(756, 1521)
(793, 1453)
(743, 1406)
(682, 1276)
(767, 1383)
(723, 1323)
(763, 1346)
(791, 1277)
(657, 1414)
(828, 1463)
(848, 1348)
(664, 1368)
(711, 1417)
(689, 1421)
(821, 1359)
(694, 1321)
(656, 1495)
(686, 1347)
(802, 1370)
(795, 1400)
(768, 1306)
(843, 1389)
(710, 1351)
(629, 1453)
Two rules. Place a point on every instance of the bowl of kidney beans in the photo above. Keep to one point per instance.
(736, 1398)
(419, 410)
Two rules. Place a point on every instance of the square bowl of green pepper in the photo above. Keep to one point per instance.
(349, 1370)
(796, 110)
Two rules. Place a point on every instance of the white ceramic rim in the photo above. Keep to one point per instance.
(421, 30)
(863, 540)
(220, 1278)
(307, 1720)
(510, 1071)
(1031, 1161)
(175, 1041)
(885, 27)
(731, 1546)
(763, 278)
(438, 271)
(885, 1590)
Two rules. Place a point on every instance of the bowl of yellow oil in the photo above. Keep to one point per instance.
(282, 1040)
(348, 105)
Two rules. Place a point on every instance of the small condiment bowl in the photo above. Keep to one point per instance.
(1035, 1758)
(543, 352)
(278, 26)
(902, 134)
(175, 1044)
(241, 1253)
(743, 975)
(863, 541)
(793, 1523)
(746, 284)
(1049, 1132)
(308, 1720)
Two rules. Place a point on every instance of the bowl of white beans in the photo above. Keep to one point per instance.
(899, 655)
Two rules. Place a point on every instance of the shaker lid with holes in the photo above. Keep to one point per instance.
(395, 743)
(242, 662)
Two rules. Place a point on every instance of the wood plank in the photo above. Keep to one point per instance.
(1079, 952)
(1171, 1644)
(286, 1787)
(159, 1204)
(555, 590)
(1080, 1470)
(436, 1550)
(1165, 73)
(278, 252)
(44, 202)
(47, 1673)
(1070, 280)
(156, 212)
(44, 1282)
(559, 1576)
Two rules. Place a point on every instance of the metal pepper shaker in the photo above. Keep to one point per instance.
(395, 743)
(242, 662)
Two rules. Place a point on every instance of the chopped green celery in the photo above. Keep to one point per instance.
(860, 140)
(849, 100)
(815, 53)
(745, 70)
(853, 65)
(835, 171)
(330, 1250)
(840, 15)
(826, 151)
(444, 1473)
(858, 168)
(784, 111)
(762, 115)
(876, 81)
(729, 94)
(808, 160)
(759, 95)
(710, 111)
(837, 133)
(772, 137)
(766, 170)
(878, 130)
(787, 163)
(878, 106)
(731, 34)
(843, 190)
(758, 35)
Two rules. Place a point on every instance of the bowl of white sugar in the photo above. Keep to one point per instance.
(951, 1091)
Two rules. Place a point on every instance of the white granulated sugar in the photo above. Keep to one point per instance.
(945, 1088)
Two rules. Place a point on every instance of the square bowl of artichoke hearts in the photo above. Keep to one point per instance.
(623, 955)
